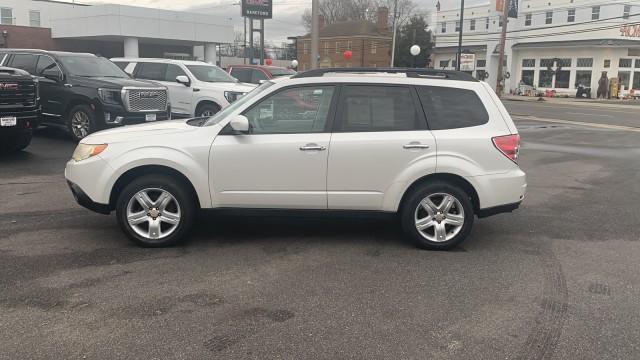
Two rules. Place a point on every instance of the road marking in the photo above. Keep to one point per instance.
(594, 108)
(585, 114)
(581, 123)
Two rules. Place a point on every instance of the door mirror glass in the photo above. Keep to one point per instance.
(240, 123)
(183, 79)
(52, 74)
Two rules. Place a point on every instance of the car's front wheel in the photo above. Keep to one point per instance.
(437, 216)
(155, 211)
(207, 110)
(81, 122)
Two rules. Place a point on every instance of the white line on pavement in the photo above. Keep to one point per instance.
(576, 113)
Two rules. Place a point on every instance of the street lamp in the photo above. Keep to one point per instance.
(415, 51)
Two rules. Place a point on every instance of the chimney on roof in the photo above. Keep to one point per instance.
(383, 19)
(320, 21)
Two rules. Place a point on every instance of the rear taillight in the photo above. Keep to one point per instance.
(508, 145)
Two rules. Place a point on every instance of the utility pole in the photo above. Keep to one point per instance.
(459, 55)
(244, 45)
(315, 33)
(395, 28)
(503, 45)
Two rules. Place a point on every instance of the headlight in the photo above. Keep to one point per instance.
(109, 96)
(85, 151)
(232, 95)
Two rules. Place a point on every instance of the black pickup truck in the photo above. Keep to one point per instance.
(87, 93)
(19, 109)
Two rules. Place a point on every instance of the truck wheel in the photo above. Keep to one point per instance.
(15, 142)
(81, 122)
(23, 140)
(156, 211)
(437, 216)
(206, 110)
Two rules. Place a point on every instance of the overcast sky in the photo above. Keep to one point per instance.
(286, 13)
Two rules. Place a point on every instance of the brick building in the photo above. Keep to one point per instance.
(370, 44)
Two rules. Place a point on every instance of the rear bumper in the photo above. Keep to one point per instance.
(83, 200)
(501, 209)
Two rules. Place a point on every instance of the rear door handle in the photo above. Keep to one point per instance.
(415, 145)
(313, 147)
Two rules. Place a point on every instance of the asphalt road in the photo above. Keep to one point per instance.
(558, 279)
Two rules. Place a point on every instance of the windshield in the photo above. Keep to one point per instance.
(91, 66)
(238, 103)
(281, 72)
(209, 73)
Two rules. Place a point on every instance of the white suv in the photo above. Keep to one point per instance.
(436, 147)
(196, 88)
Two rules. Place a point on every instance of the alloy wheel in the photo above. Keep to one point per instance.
(439, 217)
(153, 213)
(80, 124)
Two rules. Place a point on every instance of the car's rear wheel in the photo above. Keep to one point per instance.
(155, 211)
(81, 122)
(437, 216)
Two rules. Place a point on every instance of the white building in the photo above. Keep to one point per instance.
(134, 28)
(585, 37)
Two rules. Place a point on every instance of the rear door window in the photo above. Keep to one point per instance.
(452, 108)
(370, 108)
(242, 74)
(258, 76)
(25, 62)
(151, 71)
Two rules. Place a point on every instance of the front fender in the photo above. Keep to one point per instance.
(186, 163)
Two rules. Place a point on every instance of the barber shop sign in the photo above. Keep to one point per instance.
(630, 31)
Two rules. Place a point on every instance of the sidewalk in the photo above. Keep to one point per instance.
(614, 103)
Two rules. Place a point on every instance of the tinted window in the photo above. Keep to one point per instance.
(121, 65)
(91, 66)
(242, 74)
(210, 73)
(44, 63)
(451, 108)
(173, 71)
(25, 62)
(258, 76)
(378, 108)
(152, 71)
(296, 110)
(2, 55)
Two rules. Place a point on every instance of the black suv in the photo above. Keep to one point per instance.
(87, 93)
(19, 108)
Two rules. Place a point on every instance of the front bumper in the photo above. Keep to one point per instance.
(114, 115)
(83, 200)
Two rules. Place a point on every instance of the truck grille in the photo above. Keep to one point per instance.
(146, 100)
(22, 95)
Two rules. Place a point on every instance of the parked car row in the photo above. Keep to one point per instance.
(86, 93)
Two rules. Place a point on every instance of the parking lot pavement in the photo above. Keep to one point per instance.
(556, 279)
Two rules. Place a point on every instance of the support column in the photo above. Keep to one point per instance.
(131, 48)
(210, 53)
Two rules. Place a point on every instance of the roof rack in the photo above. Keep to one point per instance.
(413, 73)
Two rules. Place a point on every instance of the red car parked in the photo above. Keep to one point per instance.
(256, 73)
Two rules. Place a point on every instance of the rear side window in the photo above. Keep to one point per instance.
(25, 62)
(242, 74)
(152, 71)
(451, 108)
(365, 108)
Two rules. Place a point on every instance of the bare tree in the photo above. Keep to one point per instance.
(335, 11)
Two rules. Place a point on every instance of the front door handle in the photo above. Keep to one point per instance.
(415, 145)
(313, 147)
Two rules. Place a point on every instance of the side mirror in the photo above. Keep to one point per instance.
(240, 124)
(52, 74)
(183, 79)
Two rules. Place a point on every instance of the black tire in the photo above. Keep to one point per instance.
(409, 210)
(82, 111)
(207, 108)
(184, 200)
(23, 140)
(14, 142)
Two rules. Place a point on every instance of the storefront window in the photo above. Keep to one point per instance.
(636, 80)
(546, 63)
(528, 62)
(585, 62)
(562, 79)
(624, 63)
(546, 78)
(527, 77)
(637, 63)
(583, 77)
(625, 77)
